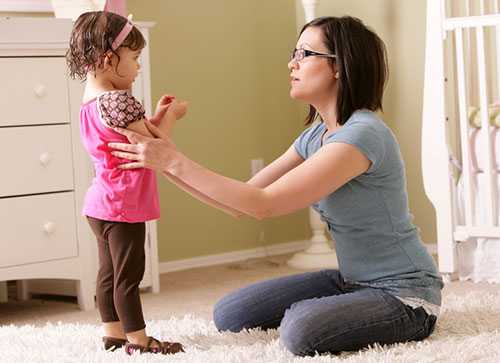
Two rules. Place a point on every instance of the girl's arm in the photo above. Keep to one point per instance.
(175, 111)
(168, 111)
(326, 171)
(139, 126)
(172, 111)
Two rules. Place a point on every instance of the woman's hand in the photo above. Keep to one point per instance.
(143, 151)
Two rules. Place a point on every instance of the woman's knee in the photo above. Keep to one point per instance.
(296, 342)
(296, 331)
(228, 314)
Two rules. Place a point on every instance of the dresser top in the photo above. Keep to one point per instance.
(19, 30)
(20, 36)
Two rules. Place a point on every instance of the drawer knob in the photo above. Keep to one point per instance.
(40, 90)
(49, 227)
(45, 159)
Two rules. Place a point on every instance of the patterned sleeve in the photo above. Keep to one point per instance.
(119, 108)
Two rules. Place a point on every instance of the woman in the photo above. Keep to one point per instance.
(349, 168)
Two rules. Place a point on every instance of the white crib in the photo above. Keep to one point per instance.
(462, 81)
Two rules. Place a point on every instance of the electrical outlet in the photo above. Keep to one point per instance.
(256, 165)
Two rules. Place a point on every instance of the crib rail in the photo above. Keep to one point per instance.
(470, 76)
(456, 25)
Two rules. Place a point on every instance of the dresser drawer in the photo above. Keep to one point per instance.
(36, 159)
(34, 91)
(37, 228)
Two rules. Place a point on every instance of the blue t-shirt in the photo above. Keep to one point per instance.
(377, 244)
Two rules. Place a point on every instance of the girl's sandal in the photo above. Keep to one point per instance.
(113, 344)
(162, 348)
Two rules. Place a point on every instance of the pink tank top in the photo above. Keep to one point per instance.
(115, 194)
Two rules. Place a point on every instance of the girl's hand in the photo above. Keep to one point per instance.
(161, 108)
(165, 100)
(145, 152)
(178, 108)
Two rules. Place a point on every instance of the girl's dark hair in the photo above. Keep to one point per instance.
(361, 60)
(91, 38)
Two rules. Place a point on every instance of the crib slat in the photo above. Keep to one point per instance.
(490, 191)
(497, 58)
(464, 128)
(471, 21)
(497, 51)
(463, 233)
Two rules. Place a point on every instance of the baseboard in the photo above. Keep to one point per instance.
(273, 250)
(68, 288)
(211, 260)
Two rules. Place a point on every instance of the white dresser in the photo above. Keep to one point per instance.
(44, 239)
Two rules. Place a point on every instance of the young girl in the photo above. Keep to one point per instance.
(104, 51)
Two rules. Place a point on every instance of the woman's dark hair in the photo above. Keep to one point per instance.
(91, 38)
(361, 61)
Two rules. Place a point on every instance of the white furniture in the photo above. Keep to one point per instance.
(25, 6)
(462, 58)
(46, 171)
(71, 9)
(319, 254)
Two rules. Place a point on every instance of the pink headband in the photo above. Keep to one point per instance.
(127, 28)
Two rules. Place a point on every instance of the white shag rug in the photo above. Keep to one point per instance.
(467, 331)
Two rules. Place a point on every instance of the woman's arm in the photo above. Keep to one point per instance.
(202, 197)
(283, 164)
(330, 168)
(263, 178)
(326, 171)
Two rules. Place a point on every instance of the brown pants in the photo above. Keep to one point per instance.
(121, 268)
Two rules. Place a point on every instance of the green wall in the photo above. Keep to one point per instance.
(228, 58)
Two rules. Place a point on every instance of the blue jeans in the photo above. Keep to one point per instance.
(320, 312)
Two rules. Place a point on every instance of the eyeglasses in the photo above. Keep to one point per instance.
(299, 54)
